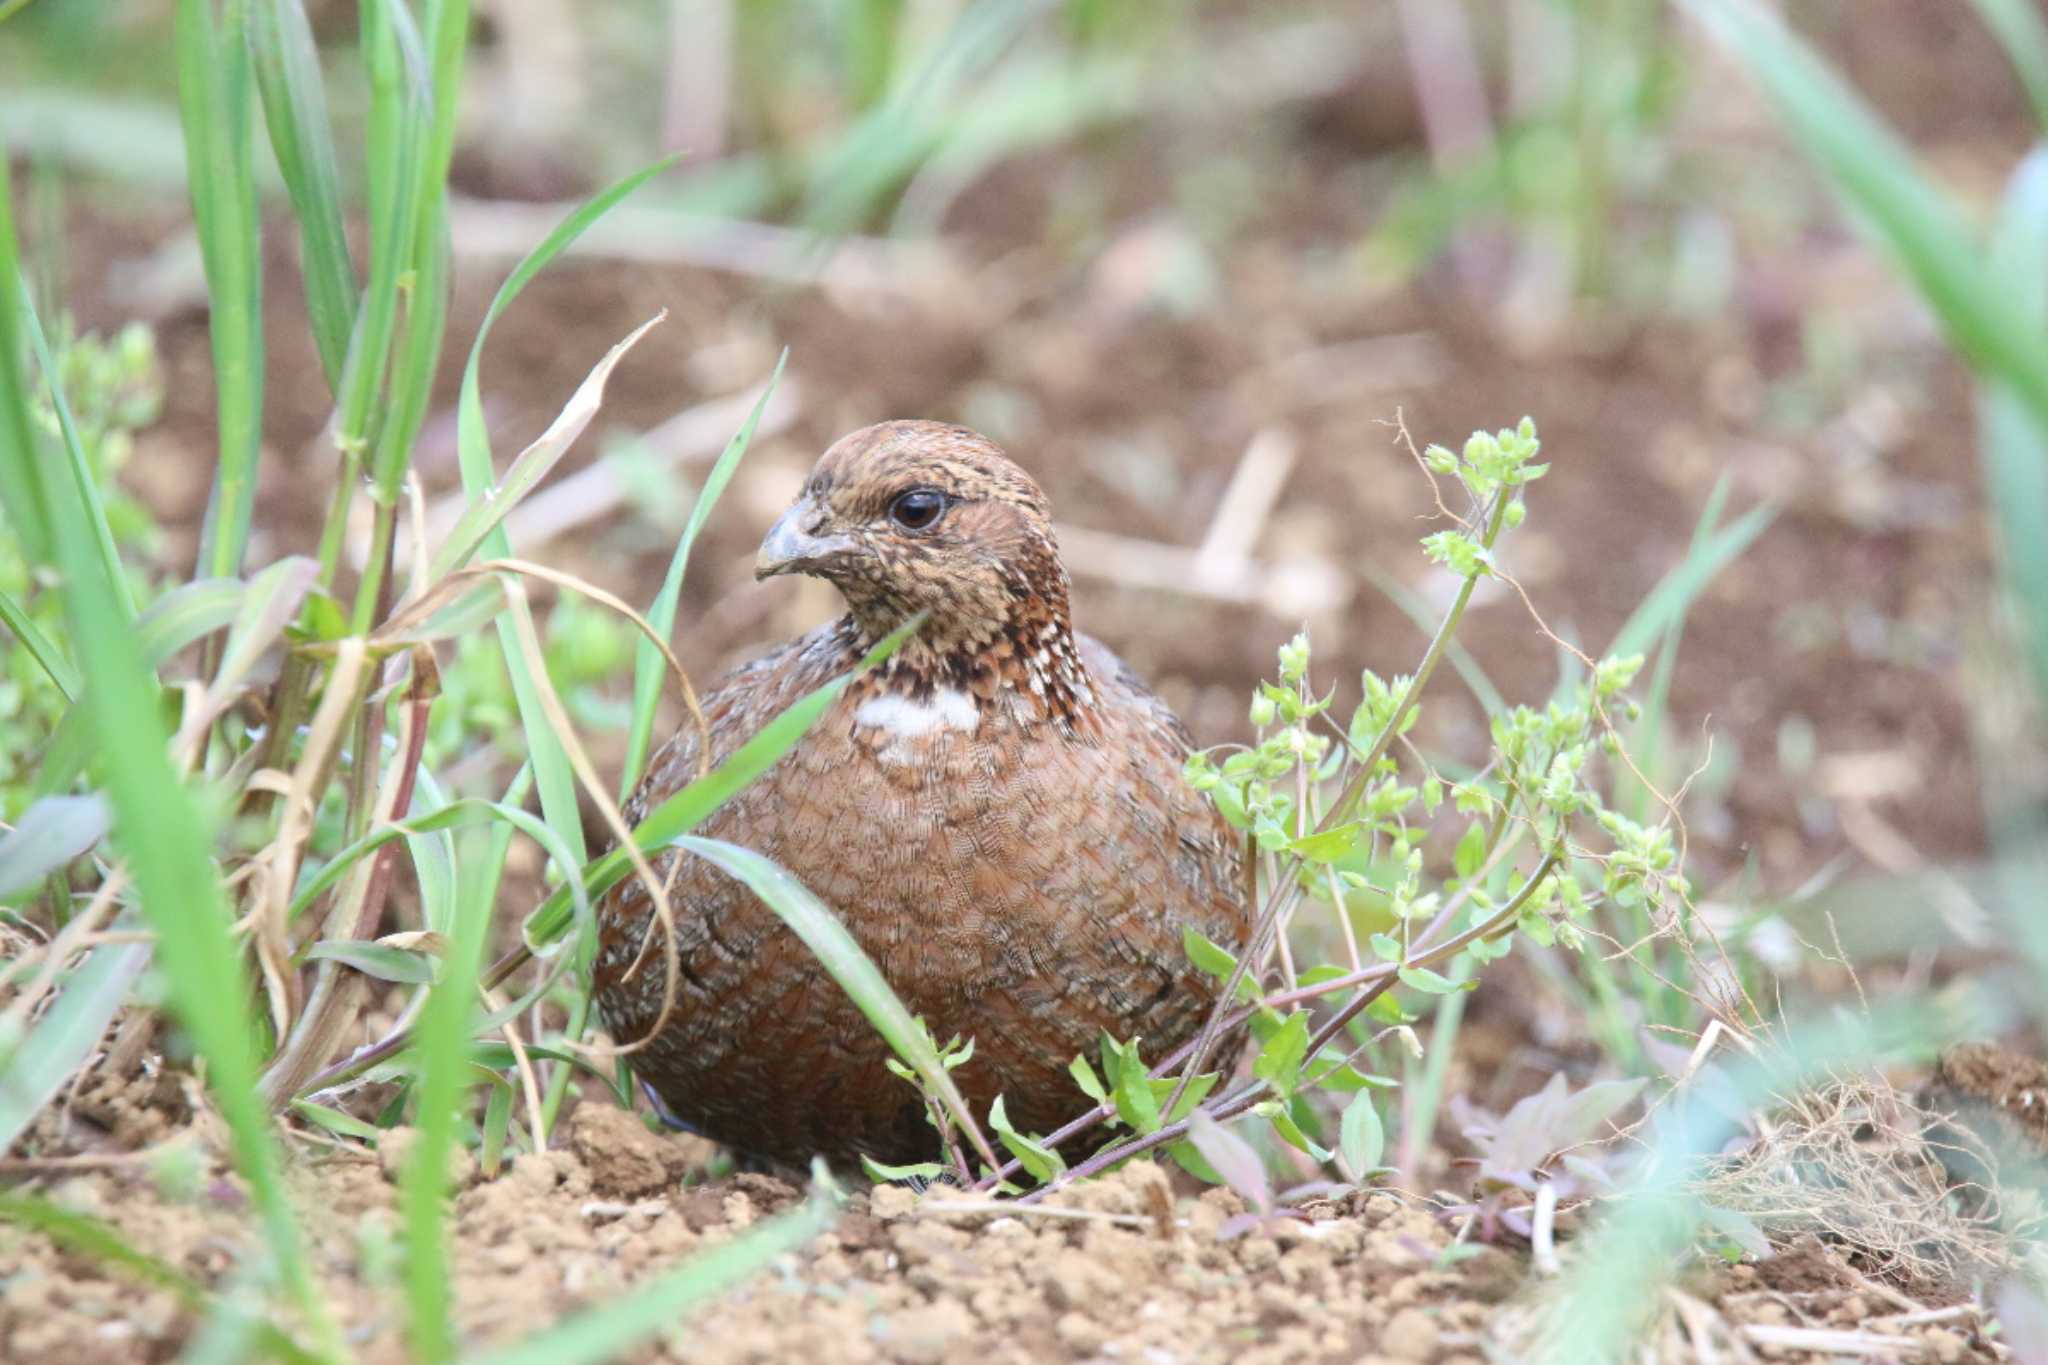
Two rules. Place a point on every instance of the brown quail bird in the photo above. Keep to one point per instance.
(996, 813)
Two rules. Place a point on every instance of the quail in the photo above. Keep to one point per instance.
(997, 814)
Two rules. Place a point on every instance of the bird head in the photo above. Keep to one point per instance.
(904, 517)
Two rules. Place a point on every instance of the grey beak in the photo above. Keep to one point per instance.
(797, 543)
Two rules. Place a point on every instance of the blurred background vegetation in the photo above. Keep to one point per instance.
(1188, 261)
(1197, 265)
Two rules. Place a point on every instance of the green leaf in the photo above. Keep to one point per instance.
(1137, 1103)
(1906, 211)
(1290, 1131)
(287, 69)
(185, 615)
(1361, 1138)
(919, 1172)
(497, 1120)
(1429, 982)
(216, 95)
(49, 834)
(377, 960)
(1198, 1090)
(1084, 1076)
(41, 648)
(1279, 1061)
(1190, 1159)
(1207, 954)
(267, 605)
(1217, 961)
(335, 1121)
(1329, 845)
(91, 506)
(1470, 854)
(648, 665)
(1043, 1162)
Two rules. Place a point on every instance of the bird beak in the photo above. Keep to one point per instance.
(798, 544)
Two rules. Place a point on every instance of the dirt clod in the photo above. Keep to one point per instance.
(625, 1160)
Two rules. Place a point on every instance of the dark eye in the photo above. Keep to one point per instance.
(917, 509)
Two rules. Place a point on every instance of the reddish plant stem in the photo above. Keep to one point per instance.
(379, 890)
(1377, 980)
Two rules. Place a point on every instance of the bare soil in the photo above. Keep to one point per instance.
(1131, 1267)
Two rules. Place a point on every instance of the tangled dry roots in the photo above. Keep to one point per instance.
(1918, 1198)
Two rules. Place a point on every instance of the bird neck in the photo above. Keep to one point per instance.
(1027, 659)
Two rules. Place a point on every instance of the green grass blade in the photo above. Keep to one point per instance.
(424, 219)
(2012, 441)
(551, 771)
(165, 839)
(287, 69)
(40, 646)
(447, 41)
(892, 139)
(648, 665)
(1647, 741)
(1905, 210)
(468, 810)
(1666, 604)
(607, 1333)
(811, 920)
(2020, 28)
(63, 1038)
(82, 480)
(185, 614)
(395, 131)
(440, 1048)
(216, 95)
(686, 808)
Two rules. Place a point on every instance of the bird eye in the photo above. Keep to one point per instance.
(917, 509)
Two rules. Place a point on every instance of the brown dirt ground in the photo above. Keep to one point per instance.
(1131, 1267)
(1850, 621)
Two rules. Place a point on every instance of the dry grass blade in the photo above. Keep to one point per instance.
(534, 462)
(697, 433)
(622, 834)
(1859, 1166)
(396, 631)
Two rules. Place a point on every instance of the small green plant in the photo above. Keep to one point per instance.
(1381, 886)
(113, 388)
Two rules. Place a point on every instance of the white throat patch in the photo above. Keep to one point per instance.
(904, 717)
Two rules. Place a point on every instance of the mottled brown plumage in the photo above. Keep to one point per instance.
(997, 814)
